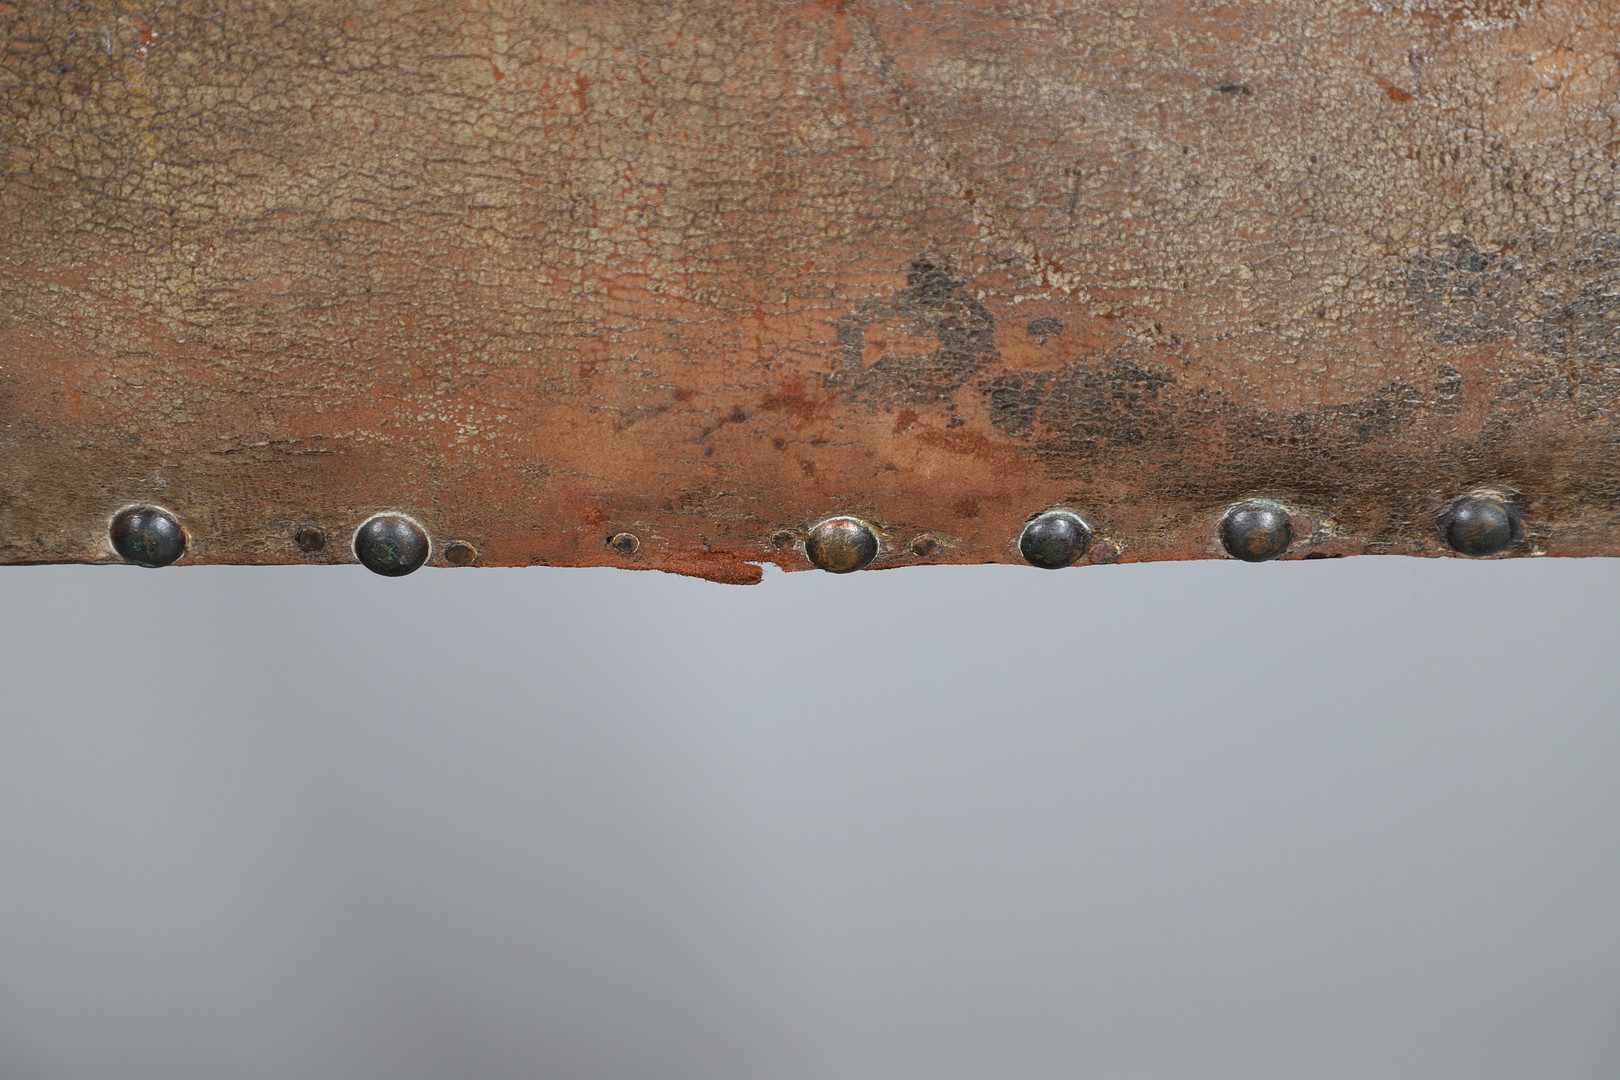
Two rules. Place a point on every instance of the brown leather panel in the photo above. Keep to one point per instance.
(708, 271)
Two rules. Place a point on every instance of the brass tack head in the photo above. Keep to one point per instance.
(842, 545)
(784, 540)
(1481, 524)
(1054, 540)
(460, 553)
(1256, 531)
(925, 546)
(625, 543)
(310, 540)
(148, 536)
(391, 545)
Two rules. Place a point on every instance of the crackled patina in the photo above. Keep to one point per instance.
(705, 273)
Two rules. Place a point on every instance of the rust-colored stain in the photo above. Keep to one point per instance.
(649, 284)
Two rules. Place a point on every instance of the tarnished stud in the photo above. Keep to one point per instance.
(391, 545)
(460, 553)
(625, 543)
(842, 544)
(1479, 525)
(784, 539)
(1256, 531)
(1054, 540)
(310, 540)
(925, 545)
(1103, 553)
(148, 536)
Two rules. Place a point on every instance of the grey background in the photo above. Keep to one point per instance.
(1337, 819)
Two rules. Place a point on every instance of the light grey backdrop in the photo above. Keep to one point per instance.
(1349, 819)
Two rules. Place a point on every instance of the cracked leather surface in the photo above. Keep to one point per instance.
(541, 273)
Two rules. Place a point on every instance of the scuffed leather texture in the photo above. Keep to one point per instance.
(709, 271)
